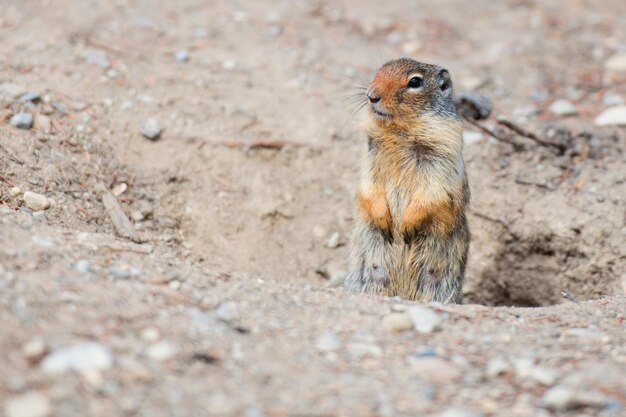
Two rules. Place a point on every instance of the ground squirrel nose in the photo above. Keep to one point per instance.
(372, 97)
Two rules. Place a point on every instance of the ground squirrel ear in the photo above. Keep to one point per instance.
(444, 81)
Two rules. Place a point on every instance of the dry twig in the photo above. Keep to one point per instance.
(530, 135)
(122, 225)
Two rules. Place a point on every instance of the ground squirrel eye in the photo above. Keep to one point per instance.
(415, 82)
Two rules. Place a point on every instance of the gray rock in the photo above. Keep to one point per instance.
(564, 398)
(424, 319)
(119, 272)
(563, 107)
(30, 97)
(182, 55)
(227, 312)
(81, 357)
(473, 104)
(22, 120)
(83, 266)
(36, 201)
(328, 342)
(96, 57)
(151, 129)
(612, 99)
(613, 116)
(32, 404)
(11, 91)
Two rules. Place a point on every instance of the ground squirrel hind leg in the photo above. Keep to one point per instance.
(443, 287)
(367, 271)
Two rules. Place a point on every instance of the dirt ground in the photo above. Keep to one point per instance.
(230, 303)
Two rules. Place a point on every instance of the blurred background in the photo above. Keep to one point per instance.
(226, 132)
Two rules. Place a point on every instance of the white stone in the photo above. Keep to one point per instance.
(459, 412)
(563, 107)
(328, 342)
(470, 137)
(617, 62)
(397, 322)
(151, 129)
(565, 398)
(613, 116)
(161, 351)
(497, 366)
(36, 201)
(82, 357)
(424, 319)
(32, 404)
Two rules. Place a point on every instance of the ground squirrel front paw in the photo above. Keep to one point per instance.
(374, 210)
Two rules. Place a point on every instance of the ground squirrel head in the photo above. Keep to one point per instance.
(405, 90)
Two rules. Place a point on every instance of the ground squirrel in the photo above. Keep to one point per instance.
(411, 238)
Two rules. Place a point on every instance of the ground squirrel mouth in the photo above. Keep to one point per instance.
(381, 114)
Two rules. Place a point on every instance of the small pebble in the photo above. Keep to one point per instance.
(15, 191)
(333, 241)
(43, 124)
(96, 57)
(118, 189)
(435, 369)
(81, 357)
(34, 350)
(11, 90)
(151, 129)
(617, 62)
(22, 120)
(161, 351)
(32, 404)
(359, 350)
(424, 319)
(564, 398)
(83, 266)
(470, 137)
(150, 334)
(397, 322)
(563, 107)
(611, 99)
(459, 412)
(30, 97)
(497, 367)
(227, 312)
(119, 272)
(182, 55)
(36, 201)
(328, 342)
(613, 116)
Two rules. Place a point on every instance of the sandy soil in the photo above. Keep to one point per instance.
(229, 305)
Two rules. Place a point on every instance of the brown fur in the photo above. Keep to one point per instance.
(411, 238)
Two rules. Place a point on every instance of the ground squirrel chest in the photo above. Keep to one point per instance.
(411, 237)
